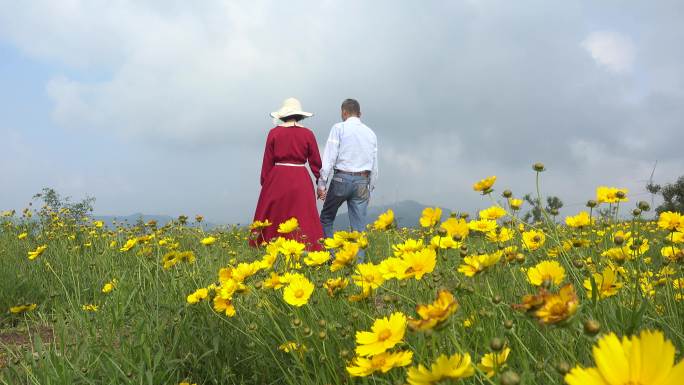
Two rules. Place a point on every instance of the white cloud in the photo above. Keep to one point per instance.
(611, 50)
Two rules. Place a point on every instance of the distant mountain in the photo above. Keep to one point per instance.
(406, 213)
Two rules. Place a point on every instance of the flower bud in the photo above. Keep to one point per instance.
(618, 240)
(591, 327)
(296, 322)
(644, 206)
(307, 331)
(620, 195)
(563, 367)
(322, 323)
(508, 324)
(510, 377)
(507, 193)
(496, 299)
(464, 215)
(496, 344)
(442, 233)
(538, 167)
(636, 212)
(578, 263)
(591, 203)
(322, 335)
(554, 212)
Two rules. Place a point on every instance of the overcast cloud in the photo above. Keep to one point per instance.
(162, 106)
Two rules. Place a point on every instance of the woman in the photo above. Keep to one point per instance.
(286, 188)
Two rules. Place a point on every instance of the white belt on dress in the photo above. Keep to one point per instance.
(290, 164)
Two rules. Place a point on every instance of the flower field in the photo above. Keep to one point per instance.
(482, 299)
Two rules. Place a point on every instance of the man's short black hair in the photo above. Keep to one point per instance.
(351, 106)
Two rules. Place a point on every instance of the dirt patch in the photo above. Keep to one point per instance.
(18, 339)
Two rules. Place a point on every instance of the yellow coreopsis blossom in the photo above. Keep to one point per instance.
(288, 226)
(345, 256)
(273, 281)
(224, 306)
(392, 267)
(484, 185)
(419, 263)
(546, 271)
(672, 253)
(440, 242)
(409, 246)
(671, 221)
(610, 194)
(129, 244)
(580, 220)
(533, 239)
(558, 307)
(455, 227)
(109, 286)
(332, 285)
(606, 283)
(368, 276)
(257, 225)
(291, 249)
(197, 296)
(435, 313)
(501, 235)
(453, 367)
(208, 240)
(22, 235)
(647, 359)
(23, 308)
(37, 252)
(474, 264)
(430, 216)
(298, 292)
(385, 334)
(515, 203)
(90, 307)
(482, 225)
(492, 363)
(362, 367)
(316, 258)
(384, 221)
(492, 213)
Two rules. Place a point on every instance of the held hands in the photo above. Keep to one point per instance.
(321, 193)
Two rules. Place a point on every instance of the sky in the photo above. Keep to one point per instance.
(162, 106)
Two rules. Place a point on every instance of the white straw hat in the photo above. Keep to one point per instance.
(291, 106)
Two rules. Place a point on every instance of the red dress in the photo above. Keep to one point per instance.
(286, 190)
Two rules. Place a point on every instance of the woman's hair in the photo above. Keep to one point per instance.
(296, 118)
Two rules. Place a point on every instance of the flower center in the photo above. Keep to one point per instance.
(299, 293)
(385, 334)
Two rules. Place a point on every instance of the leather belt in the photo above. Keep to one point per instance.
(355, 173)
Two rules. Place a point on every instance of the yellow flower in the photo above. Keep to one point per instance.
(501, 235)
(647, 359)
(482, 225)
(23, 308)
(291, 249)
(109, 286)
(392, 267)
(208, 241)
(430, 216)
(474, 264)
(90, 307)
(36, 253)
(22, 235)
(257, 225)
(546, 271)
(492, 213)
(288, 226)
(409, 246)
(610, 194)
(315, 258)
(334, 284)
(515, 203)
(454, 367)
(455, 227)
(385, 334)
(435, 313)
(273, 281)
(606, 283)
(384, 221)
(580, 220)
(439, 242)
(484, 185)
(419, 263)
(491, 363)
(558, 307)
(298, 291)
(533, 239)
(197, 296)
(671, 221)
(98, 224)
(362, 367)
(129, 244)
(345, 256)
(225, 306)
(368, 276)
(671, 253)
(291, 346)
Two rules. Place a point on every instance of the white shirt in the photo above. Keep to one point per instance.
(353, 147)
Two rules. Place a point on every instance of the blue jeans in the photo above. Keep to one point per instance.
(353, 189)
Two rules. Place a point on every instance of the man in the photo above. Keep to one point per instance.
(351, 156)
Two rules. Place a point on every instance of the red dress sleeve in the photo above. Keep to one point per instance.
(314, 157)
(268, 161)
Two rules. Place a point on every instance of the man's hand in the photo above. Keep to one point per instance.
(322, 192)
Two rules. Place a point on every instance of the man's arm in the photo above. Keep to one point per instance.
(374, 170)
(329, 156)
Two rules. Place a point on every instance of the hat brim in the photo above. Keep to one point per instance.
(285, 114)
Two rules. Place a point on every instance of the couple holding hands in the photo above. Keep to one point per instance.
(347, 173)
